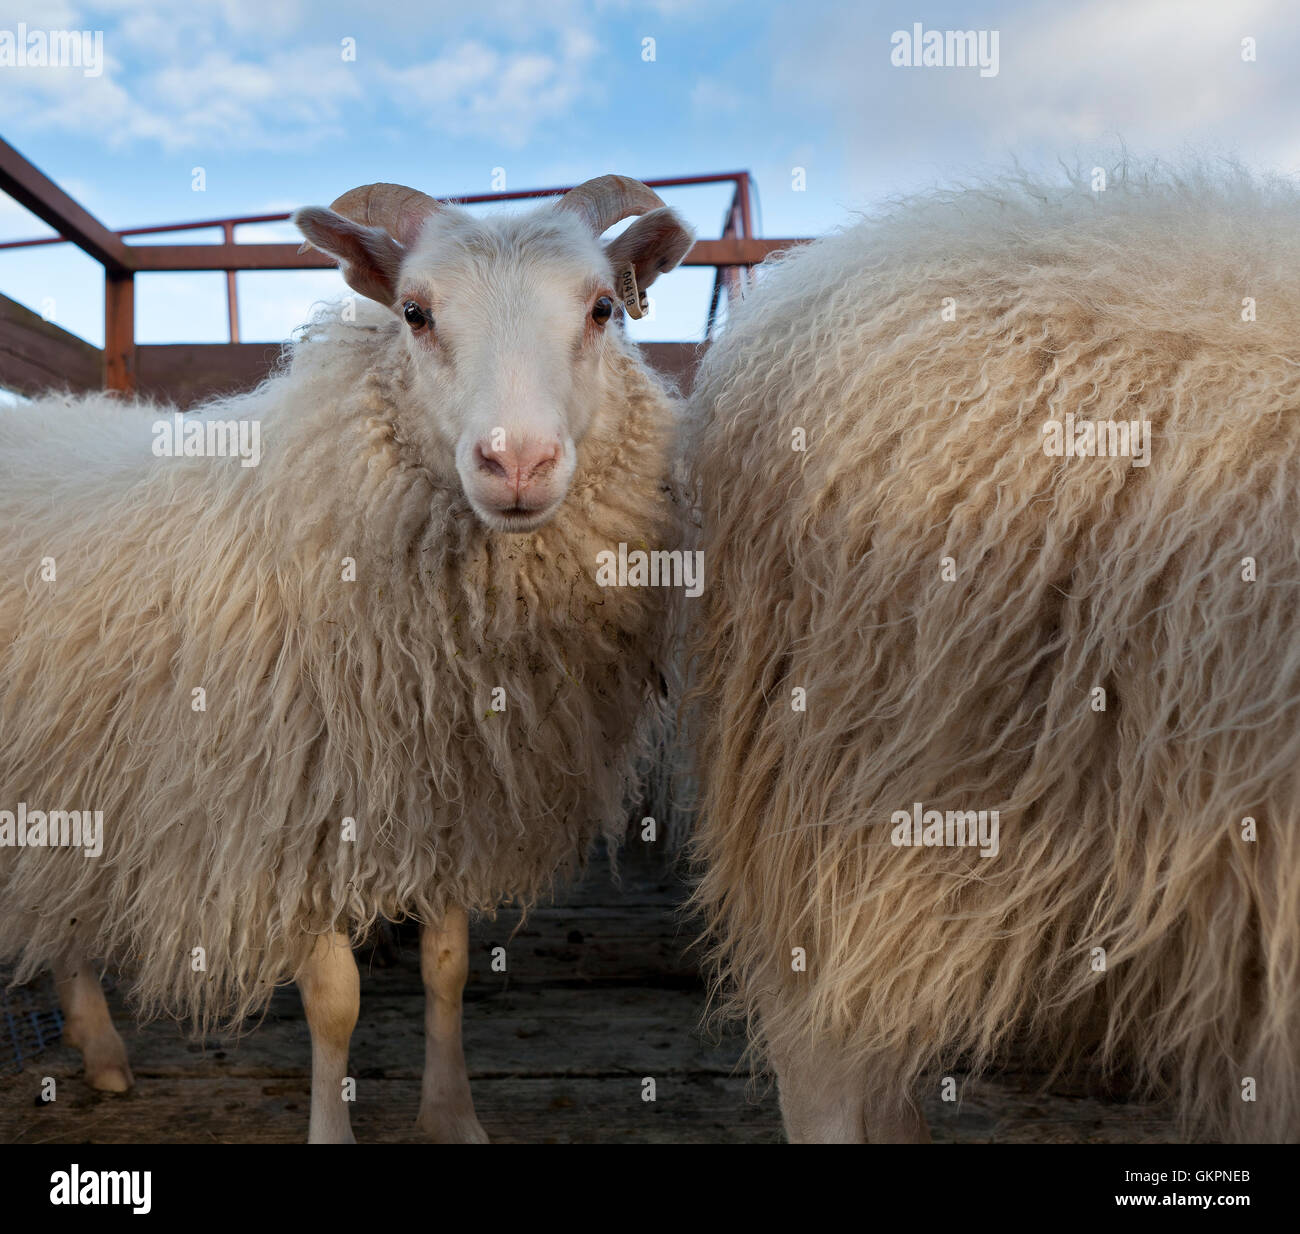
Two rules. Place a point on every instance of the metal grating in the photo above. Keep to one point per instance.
(30, 1021)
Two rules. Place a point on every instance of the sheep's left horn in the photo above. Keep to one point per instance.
(606, 200)
(394, 208)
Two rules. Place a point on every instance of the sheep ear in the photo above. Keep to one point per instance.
(368, 256)
(652, 246)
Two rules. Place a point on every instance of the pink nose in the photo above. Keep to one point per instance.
(518, 464)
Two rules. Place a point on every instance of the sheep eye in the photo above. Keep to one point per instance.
(415, 315)
(601, 310)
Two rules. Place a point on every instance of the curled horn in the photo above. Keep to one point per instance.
(394, 208)
(606, 200)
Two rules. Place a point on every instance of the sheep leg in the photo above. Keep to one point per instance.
(828, 1098)
(821, 1096)
(892, 1116)
(331, 996)
(88, 1026)
(446, 1106)
(824, 1101)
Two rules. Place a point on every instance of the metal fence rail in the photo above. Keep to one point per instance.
(736, 249)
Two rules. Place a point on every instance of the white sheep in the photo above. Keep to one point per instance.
(999, 738)
(373, 676)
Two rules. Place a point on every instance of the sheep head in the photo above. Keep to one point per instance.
(508, 321)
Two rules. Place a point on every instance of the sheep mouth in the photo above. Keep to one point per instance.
(515, 518)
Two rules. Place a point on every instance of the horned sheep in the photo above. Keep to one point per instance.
(373, 676)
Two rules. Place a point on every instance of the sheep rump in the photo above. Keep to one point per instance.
(325, 699)
(1120, 829)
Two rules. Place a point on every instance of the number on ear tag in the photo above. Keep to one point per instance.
(634, 300)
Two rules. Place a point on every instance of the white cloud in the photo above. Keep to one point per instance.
(50, 15)
(1165, 69)
(474, 90)
(1159, 76)
(246, 75)
(211, 100)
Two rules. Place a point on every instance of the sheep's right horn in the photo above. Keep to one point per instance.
(397, 210)
(607, 200)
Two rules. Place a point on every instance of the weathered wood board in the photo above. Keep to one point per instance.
(599, 994)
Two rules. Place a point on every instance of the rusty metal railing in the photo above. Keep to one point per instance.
(735, 250)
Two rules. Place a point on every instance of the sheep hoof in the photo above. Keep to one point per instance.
(448, 1125)
(103, 1057)
(110, 1077)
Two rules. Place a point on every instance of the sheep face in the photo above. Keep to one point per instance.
(507, 323)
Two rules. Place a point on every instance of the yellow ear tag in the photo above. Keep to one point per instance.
(634, 300)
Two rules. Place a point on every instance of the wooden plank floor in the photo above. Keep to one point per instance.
(598, 996)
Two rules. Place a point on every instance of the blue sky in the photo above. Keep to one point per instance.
(260, 95)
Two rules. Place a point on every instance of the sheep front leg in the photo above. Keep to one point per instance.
(828, 1098)
(446, 1106)
(824, 1100)
(331, 996)
(821, 1096)
(893, 1117)
(88, 1026)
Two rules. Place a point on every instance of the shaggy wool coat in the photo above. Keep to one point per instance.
(399, 710)
(1107, 654)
